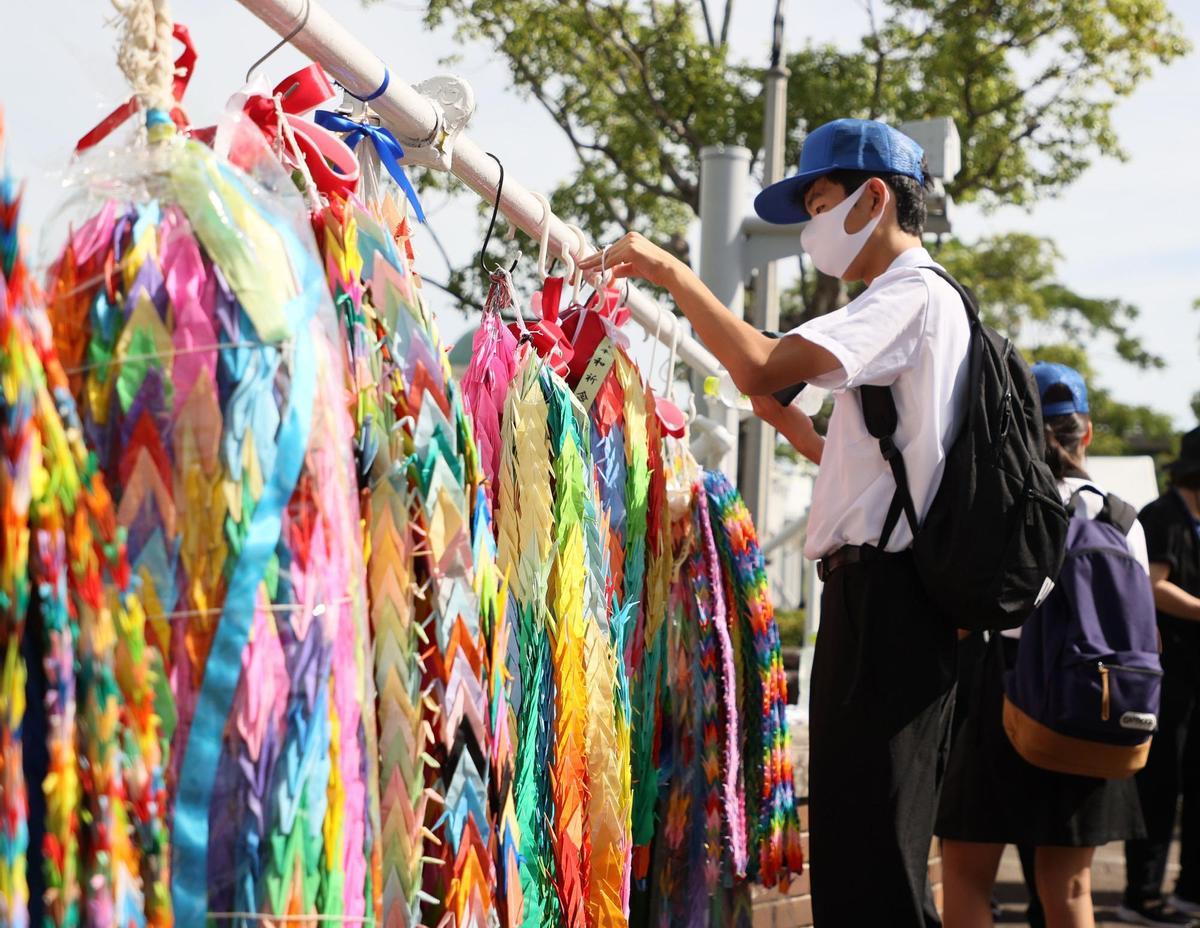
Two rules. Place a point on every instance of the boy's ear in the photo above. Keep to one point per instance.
(878, 190)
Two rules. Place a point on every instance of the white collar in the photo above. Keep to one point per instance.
(917, 256)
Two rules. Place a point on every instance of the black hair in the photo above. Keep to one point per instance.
(1064, 435)
(911, 211)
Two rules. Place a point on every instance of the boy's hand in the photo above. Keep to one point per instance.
(633, 256)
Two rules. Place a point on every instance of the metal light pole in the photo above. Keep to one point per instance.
(724, 170)
(758, 440)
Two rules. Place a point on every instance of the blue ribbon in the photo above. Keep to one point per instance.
(197, 772)
(386, 147)
(379, 91)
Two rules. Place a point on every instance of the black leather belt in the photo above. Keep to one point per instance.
(843, 557)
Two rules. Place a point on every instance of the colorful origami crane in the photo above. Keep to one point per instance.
(197, 328)
(77, 708)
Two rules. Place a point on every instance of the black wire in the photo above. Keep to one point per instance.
(284, 41)
(487, 239)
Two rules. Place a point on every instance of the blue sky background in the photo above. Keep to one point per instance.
(1126, 229)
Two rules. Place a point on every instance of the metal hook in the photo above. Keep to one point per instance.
(487, 239)
(282, 42)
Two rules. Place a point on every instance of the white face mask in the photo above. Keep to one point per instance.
(828, 243)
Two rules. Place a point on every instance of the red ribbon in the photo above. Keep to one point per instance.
(333, 166)
(184, 65)
(545, 333)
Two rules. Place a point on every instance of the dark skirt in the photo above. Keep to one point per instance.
(992, 795)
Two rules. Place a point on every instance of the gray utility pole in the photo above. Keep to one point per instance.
(724, 172)
(757, 445)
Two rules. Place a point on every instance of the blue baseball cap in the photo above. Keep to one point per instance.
(1047, 375)
(841, 145)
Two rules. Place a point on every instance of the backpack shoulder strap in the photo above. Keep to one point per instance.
(1115, 511)
(879, 413)
(965, 294)
(1119, 513)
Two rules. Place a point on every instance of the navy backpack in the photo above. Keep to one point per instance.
(1083, 696)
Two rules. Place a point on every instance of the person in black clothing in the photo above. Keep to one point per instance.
(1172, 525)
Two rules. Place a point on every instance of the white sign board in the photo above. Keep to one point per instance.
(1131, 478)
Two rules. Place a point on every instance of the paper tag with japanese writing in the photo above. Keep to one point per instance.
(597, 369)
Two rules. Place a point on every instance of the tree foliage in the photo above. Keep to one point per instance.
(1119, 428)
(639, 87)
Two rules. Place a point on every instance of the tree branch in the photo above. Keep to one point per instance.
(636, 57)
(726, 22)
(708, 27)
(562, 118)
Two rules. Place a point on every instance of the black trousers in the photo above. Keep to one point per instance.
(881, 702)
(1171, 771)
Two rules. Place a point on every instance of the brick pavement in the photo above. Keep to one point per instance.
(793, 909)
(1108, 882)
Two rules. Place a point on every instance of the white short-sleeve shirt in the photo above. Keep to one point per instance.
(1135, 538)
(908, 329)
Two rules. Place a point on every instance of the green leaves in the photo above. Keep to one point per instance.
(1119, 428)
(634, 88)
(638, 87)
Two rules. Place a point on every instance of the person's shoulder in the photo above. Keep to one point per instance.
(903, 284)
(937, 284)
(1159, 510)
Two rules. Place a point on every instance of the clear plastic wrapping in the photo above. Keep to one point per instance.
(192, 315)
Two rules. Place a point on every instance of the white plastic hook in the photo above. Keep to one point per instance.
(568, 261)
(654, 347)
(512, 295)
(669, 377)
(543, 268)
(577, 282)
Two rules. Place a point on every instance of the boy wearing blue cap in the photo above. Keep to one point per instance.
(884, 669)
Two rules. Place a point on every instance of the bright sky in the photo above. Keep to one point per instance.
(1128, 230)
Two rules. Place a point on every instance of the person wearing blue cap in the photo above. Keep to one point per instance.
(993, 796)
(883, 675)
(1172, 524)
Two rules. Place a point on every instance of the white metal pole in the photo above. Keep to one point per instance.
(724, 171)
(316, 33)
(758, 453)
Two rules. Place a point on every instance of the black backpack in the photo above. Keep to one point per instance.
(994, 538)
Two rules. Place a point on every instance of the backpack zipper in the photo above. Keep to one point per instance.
(1103, 668)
